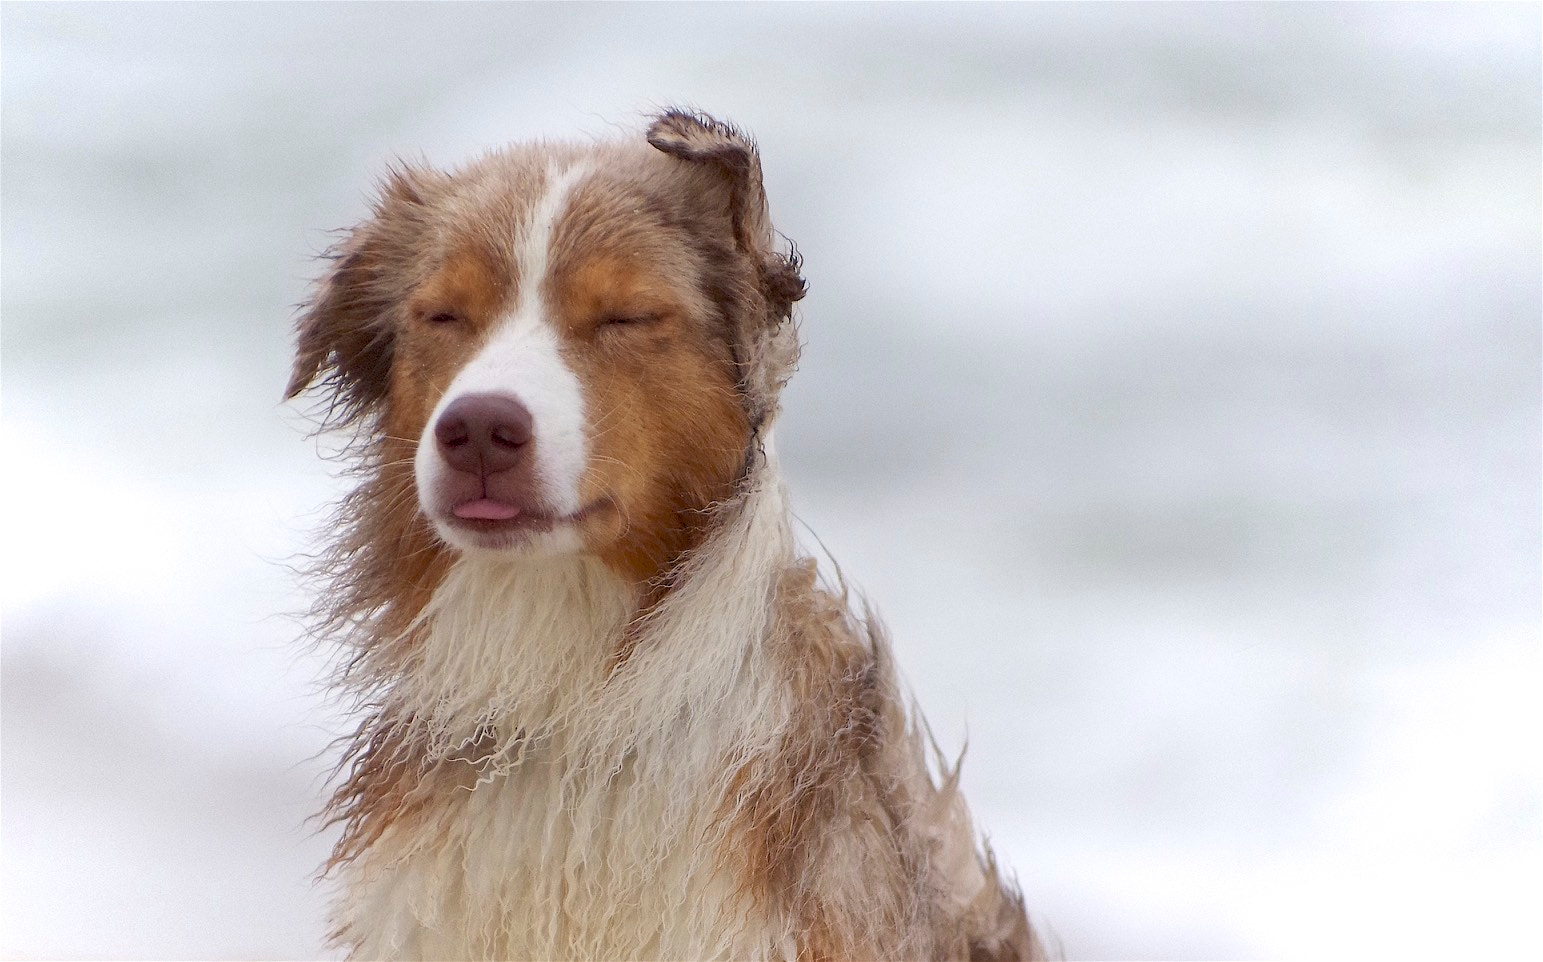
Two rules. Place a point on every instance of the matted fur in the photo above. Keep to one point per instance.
(687, 748)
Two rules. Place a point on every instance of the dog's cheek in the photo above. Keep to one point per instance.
(421, 371)
(620, 463)
(695, 428)
(713, 429)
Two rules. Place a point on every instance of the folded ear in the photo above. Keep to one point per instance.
(700, 139)
(703, 140)
(345, 335)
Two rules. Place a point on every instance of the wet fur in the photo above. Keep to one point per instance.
(680, 745)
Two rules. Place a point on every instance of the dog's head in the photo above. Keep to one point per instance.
(573, 347)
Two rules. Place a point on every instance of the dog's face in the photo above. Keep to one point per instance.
(553, 340)
(561, 366)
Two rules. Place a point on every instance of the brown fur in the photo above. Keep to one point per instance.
(674, 310)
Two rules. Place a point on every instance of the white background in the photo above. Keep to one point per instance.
(1171, 384)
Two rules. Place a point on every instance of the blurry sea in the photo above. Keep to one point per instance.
(1172, 384)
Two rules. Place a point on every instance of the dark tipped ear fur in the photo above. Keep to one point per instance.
(345, 335)
(339, 329)
(701, 139)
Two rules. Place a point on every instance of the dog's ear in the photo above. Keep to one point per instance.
(345, 334)
(700, 139)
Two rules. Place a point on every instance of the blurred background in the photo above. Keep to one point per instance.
(1171, 384)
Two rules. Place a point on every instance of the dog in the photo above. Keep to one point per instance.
(605, 708)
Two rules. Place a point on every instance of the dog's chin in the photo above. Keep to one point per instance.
(521, 537)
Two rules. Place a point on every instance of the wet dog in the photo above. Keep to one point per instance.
(606, 708)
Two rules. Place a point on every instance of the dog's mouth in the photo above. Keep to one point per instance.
(502, 524)
(486, 509)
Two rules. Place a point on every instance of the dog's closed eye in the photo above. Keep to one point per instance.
(624, 319)
(436, 316)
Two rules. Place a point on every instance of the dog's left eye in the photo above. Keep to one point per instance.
(628, 320)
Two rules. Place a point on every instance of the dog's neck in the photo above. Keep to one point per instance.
(510, 646)
(526, 650)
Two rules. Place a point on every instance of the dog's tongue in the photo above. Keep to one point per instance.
(486, 509)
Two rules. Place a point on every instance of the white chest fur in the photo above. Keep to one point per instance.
(591, 830)
(511, 870)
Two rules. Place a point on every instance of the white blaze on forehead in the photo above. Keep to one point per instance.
(523, 358)
(535, 248)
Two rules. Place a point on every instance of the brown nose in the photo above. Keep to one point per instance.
(483, 434)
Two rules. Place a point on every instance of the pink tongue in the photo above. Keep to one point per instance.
(486, 509)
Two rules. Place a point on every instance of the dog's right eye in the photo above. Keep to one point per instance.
(442, 318)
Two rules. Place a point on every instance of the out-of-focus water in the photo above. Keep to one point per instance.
(1171, 384)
